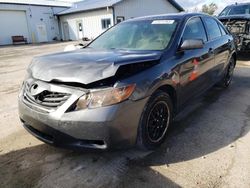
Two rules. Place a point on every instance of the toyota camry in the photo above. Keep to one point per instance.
(126, 86)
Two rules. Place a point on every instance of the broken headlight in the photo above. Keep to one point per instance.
(105, 97)
(28, 75)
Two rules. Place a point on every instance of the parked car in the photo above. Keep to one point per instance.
(237, 20)
(126, 86)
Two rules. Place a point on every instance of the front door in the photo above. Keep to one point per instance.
(194, 72)
(79, 29)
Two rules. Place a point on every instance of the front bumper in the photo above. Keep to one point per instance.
(242, 42)
(101, 128)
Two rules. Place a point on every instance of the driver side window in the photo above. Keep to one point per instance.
(194, 30)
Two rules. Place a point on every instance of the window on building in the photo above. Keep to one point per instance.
(212, 28)
(80, 26)
(120, 19)
(106, 23)
(195, 30)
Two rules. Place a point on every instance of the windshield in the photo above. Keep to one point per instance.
(235, 10)
(137, 35)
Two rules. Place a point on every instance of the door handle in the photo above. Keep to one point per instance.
(211, 51)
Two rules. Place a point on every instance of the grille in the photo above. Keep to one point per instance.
(46, 99)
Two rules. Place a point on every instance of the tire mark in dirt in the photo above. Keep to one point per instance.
(10, 89)
(93, 171)
(110, 174)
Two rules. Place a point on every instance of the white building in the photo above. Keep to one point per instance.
(32, 19)
(90, 18)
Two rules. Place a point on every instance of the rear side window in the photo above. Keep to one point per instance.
(213, 29)
(223, 31)
(195, 30)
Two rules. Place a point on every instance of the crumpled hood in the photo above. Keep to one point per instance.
(86, 65)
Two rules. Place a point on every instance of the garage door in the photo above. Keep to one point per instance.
(12, 23)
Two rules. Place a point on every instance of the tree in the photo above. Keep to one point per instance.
(209, 9)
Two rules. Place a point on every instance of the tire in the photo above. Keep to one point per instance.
(228, 76)
(155, 120)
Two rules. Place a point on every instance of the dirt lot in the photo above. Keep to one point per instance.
(208, 145)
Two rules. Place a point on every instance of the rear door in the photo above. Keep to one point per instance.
(220, 43)
(194, 71)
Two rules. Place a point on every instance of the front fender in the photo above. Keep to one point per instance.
(148, 81)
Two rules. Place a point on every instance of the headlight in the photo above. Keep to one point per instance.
(26, 77)
(105, 97)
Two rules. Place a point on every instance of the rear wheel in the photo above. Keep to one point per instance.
(155, 120)
(228, 76)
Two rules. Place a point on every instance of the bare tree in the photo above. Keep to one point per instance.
(209, 9)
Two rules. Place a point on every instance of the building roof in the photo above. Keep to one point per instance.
(38, 2)
(87, 5)
(176, 5)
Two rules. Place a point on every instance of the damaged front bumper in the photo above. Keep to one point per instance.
(242, 42)
(240, 29)
(56, 121)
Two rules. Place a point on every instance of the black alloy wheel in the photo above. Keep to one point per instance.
(158, 121)
(155, 120)
(229, 73)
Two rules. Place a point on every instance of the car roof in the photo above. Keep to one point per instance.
(238, 4)
(168, 16)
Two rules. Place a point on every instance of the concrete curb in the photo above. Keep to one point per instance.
(243, 64)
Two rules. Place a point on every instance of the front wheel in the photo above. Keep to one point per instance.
(155, 120)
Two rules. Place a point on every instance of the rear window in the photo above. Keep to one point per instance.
(235, 10)
(213, 28)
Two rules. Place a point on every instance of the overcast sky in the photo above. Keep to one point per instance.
(192, 4)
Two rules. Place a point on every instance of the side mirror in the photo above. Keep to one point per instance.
(82, 45)
(72, 47)
(191, 44)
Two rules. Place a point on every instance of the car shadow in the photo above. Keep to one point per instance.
(213, 121)
(46, 166)
(243, 56)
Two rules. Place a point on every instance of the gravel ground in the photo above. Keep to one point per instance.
(207, 146)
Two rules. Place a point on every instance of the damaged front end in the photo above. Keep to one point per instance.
(240, 29)
(98, 80)
(59, 104)
(123, 72)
